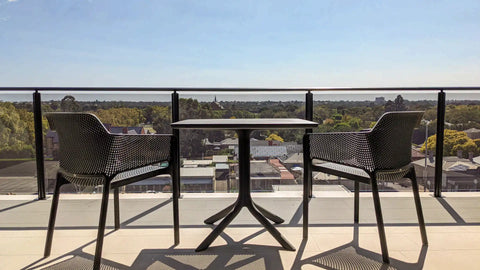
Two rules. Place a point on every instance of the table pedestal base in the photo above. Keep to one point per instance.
(244, 200)
(226, 211)
(232, 211)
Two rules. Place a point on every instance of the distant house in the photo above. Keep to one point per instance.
(149, 129)
(51, 144)
(215, 105)
(286, 177)
(473, 133)
(293, 148)
(192, 163)
(192, 180)
(459, 174)
(294, 160)
(229, 142)
(416, 154)
(380, 101)
(124, 130)
(222, 177)
(232, 142)
(220, 158)
(255, 142)
(212, 145)
(266, 152)
(262, 176)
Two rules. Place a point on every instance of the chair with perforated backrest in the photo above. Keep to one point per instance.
(380, 154)
(91, 156)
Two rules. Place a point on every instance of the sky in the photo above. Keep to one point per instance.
(239, 43)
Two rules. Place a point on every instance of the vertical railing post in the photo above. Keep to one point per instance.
(37, 120)
(176, 134)
(309, 107)
(308, 116)
(439, 143)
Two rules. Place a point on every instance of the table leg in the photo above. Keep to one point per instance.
(219, 229)
(228, 209)
(269, 215)
(220, 214)
(272, 230)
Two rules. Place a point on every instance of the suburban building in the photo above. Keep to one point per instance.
(459, 174)
(192, 180)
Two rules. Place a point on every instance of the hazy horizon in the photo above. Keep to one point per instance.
(238, 96)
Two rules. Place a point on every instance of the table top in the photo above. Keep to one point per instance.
(244, 123)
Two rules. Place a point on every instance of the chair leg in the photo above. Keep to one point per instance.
(116, 206)
(356, 202)
(175, 175)
(53, 214)
(307, 171)
(381, 228)
(307, 167)
(101, 226)
(176, 194)
(306, 200)
(176, 222)
(418, 205)
(310, 187)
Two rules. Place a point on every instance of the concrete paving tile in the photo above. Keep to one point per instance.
(465, 259)
(145, 240)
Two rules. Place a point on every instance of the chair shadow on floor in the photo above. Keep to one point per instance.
(352, 256)
(232, 255)
(78, 259)
(75, 259)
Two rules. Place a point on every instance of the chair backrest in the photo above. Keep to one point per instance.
(84, 142)
(390, 139)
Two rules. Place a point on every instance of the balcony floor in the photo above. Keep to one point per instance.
(146, 237)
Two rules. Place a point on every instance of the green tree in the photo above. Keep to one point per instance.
(463, 116)
(274, 137)
(342, 127)
(159, 117)
(16, 138)
(355, 123)
(68, 104)
(121, 116)
(453, 141)
(397, 105)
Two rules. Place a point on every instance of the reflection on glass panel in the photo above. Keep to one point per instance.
(357, 111)
(17, 144)
(212, 156)
(461, 161)
(121, 113)
(209, 158)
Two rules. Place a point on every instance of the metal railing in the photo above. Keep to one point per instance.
(309, 107)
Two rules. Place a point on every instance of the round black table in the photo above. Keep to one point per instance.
(243, 127)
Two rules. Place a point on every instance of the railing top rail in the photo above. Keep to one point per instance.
(241, 89)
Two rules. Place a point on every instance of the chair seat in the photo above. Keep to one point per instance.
(359, 174)
(137, 172)
(342, 171)
(95, 180)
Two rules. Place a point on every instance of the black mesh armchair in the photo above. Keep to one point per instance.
(380, 154)
(91, 156)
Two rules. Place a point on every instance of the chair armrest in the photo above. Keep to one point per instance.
(134, 151)
(347, 148)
